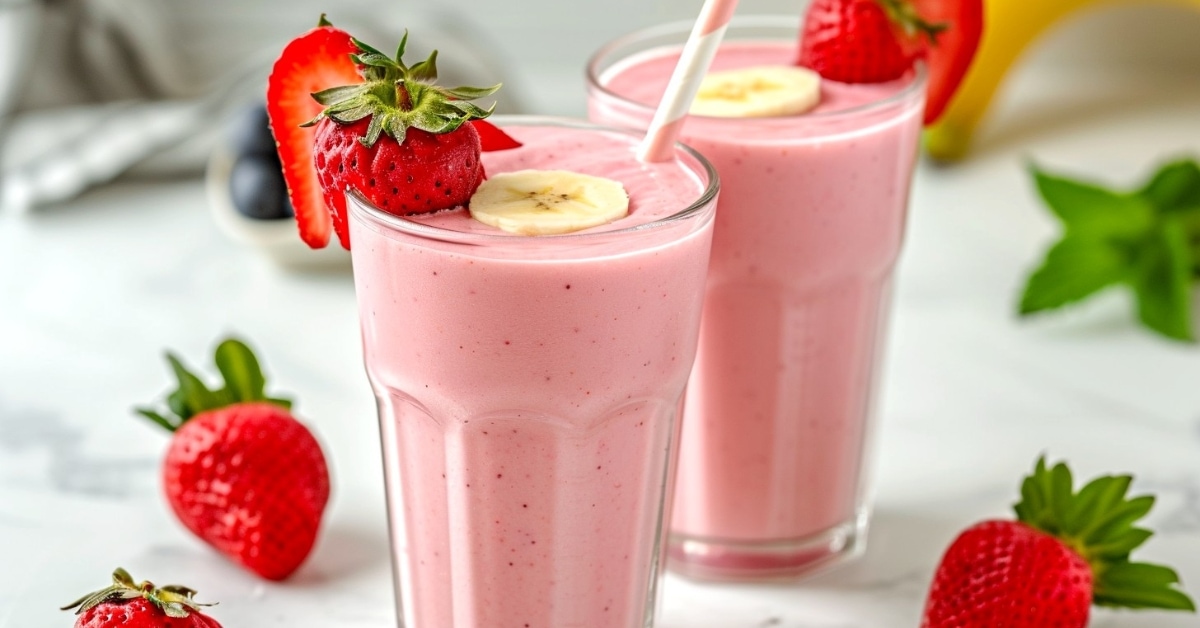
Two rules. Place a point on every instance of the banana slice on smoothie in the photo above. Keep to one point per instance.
(547, 202)
(757, 92)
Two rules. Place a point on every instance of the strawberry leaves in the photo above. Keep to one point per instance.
(398, 97)
(1146, 239)
(243, 382)
(1098, 524)
(239, 366)
(174, 600)
(1140, 585)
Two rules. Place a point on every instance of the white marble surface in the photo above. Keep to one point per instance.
(92, 291)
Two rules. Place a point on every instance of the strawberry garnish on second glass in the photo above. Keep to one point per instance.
(874, 41)
(347, 116)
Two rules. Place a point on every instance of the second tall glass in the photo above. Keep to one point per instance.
(777, 419)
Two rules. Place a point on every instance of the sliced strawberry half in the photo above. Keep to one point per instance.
(871, 41)
(951, 57)
(312, 62)
(492, 138)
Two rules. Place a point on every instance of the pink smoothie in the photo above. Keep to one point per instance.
(809, 227)
(528, 388)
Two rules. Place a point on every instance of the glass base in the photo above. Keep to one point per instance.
(783, 559)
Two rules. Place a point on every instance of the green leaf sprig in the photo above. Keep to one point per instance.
(1147, 239)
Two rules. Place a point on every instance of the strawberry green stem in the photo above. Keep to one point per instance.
(397, 97)
(243, 381)
(904, 15)
(174, 600)
(1098, 523)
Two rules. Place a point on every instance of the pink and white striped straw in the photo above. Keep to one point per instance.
(698, 53)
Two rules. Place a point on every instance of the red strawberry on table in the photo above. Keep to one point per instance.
(872, 41)
(126, 604)
(383, 128)
(242, 473)
(1065, 552)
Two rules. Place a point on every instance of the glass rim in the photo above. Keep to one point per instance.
(592, 72)
(402, 224)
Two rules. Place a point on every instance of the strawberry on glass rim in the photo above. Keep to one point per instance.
(346, 115)
(874, 41)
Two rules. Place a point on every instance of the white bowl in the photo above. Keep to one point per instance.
(277, 239)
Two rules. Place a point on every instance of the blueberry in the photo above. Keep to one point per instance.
(250, 132)
(257, 189)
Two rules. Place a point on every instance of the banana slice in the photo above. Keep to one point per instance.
(756, 92)
(546, 202)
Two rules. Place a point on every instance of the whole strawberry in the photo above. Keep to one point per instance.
(873, 41)
(397, 138)
(861, 41)
(382, 129)
(427, 172)
(1065, 552)
(126, 604)
(241, 472)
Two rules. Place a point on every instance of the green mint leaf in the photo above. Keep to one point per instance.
(1093, 212)
(1074, 269)
(1175, 187)
(244, 380)
(1163, 281)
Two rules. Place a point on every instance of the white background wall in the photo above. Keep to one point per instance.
(539, 47)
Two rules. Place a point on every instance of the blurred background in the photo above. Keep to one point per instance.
(78, 71)
(127, 127)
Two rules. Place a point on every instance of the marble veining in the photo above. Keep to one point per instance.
(93, 289)
(1177, 506)
(70, 469)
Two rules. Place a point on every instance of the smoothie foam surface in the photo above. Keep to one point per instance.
(641, 79)
(655, 190)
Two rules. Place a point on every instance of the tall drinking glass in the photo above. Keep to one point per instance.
(528, 388)
(777, 419)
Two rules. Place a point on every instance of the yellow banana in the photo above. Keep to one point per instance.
(1010, 27)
